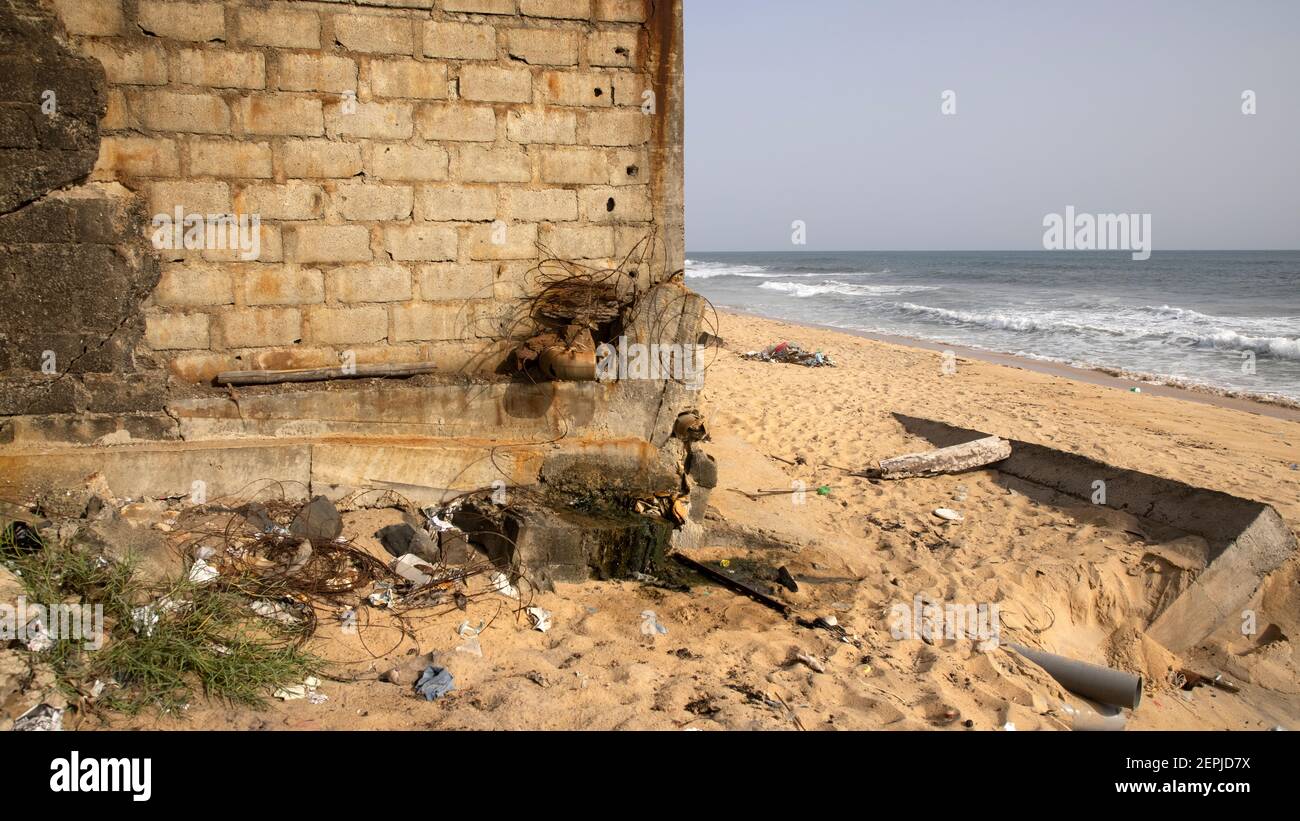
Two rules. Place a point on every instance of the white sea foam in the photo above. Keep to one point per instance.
(804, 291)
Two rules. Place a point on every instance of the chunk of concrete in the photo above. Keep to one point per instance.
(318, 521)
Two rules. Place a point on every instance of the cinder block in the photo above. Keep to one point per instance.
(173, 111)
(549, 205)
(542, 126)
(407, 78)
(480, 6)
(140, 65)
(612, 48)
(360, 202)
(455, 122)
(577, 88)
(320, 159)
(460, 41)
(616, 128)
(621, 11)
(270, 248)
(420, 243)
(218, 68)
(408, 162)
(197, 22)
(629, 167)
(575, 166)
(176, 332)
(433, 321)
(491, 242)
(290, 201)
(622, 205)
(316, 72)
(543, 47)
(471, 163)
(370, 283)
(121, 157)
(282, 285)
(374, 33)
(447, 281)
(101, 18)
(282, 115)
(347, 326)
(328, 243)
(557, 9)
(230, 158)
(578, 241)
(194, 197)
(493, 84)
(260, 327)
(185, 286)
(280, 25)
(456, 203)
(376, 121)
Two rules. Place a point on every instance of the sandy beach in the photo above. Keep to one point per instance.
(1071, 580)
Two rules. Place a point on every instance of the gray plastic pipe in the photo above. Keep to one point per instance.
(1089, 716)
(1088, 680)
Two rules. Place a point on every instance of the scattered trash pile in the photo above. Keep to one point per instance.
(214, 599)
(791, 353)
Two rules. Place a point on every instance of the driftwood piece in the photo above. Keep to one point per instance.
(323, 374)
(956, 459)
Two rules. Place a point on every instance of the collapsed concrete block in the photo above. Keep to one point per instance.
(1247, 539)
(547, 545)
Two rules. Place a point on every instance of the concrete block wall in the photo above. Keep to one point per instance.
(405, 159)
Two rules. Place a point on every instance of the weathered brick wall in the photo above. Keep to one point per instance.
(384, 145)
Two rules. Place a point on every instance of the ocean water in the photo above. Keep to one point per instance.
(1224, 320)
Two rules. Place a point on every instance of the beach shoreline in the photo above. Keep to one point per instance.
(1156, 385)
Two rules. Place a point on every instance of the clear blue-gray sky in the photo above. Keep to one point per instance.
(829, 111)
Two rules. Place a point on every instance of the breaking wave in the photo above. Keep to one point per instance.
(804, 291)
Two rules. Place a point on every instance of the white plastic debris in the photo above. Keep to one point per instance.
(40, 719)
(274, 611)
(949, 515)
(541, 619)
(38, 639)
(412, 568)
(300, 691)
(468, 631)
(201, 572)
(383, 597)
(471, 646)
(144, 619)
(500, 583)
(650, 625)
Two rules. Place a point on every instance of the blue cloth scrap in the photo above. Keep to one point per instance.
(435, 683)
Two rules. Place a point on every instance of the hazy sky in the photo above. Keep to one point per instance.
(828, 111)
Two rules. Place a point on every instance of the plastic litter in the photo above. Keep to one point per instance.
(650, 625)
(541, 619)
(40, 719)
(791, 353)
(500, 583)
(201, 572)
(435, 683)
(414, 570)
(949, 515)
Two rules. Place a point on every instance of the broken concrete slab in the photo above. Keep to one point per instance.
(1247, 539)
(547, 545)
